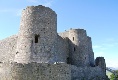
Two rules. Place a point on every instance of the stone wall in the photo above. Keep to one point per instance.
(45, 71)
(34, 71)
(63, 50)
(8, 49)
(87, 73)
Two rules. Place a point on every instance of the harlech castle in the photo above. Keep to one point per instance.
(38, 52)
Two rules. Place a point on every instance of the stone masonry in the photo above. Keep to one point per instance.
(38, 52)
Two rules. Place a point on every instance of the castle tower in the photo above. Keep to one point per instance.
(37, 35)
(78, 48)
(100, 61)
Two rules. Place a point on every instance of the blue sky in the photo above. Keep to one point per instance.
(98, 17)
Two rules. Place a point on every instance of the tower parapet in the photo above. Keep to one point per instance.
(37, 35)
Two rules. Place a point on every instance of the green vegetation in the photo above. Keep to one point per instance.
(114, 77)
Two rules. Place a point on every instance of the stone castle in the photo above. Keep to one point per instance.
(38, 52)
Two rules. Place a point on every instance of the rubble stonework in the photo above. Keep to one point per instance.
(38, 52)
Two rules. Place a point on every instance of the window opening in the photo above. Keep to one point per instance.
(73, 38)
(74, 49)
(36, 38)
(68, 60)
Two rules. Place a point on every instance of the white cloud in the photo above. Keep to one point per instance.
(112, 63)
(110, 40)
(18, 12)
(99, 54)
(6, 10)
(108, 44)
(99, 47)
(46, 3)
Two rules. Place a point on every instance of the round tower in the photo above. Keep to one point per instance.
(78, 48)
(37, 35)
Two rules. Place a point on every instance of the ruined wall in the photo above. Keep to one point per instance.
(7, 49)
(37, 35)
(63, 50)
(34, 71)
(87, 73)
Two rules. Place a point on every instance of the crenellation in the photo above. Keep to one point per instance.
(38, 52)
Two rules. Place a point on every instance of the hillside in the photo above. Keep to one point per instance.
(108, 73)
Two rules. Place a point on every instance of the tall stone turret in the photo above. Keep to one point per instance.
(37, 35)
(78, 48)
